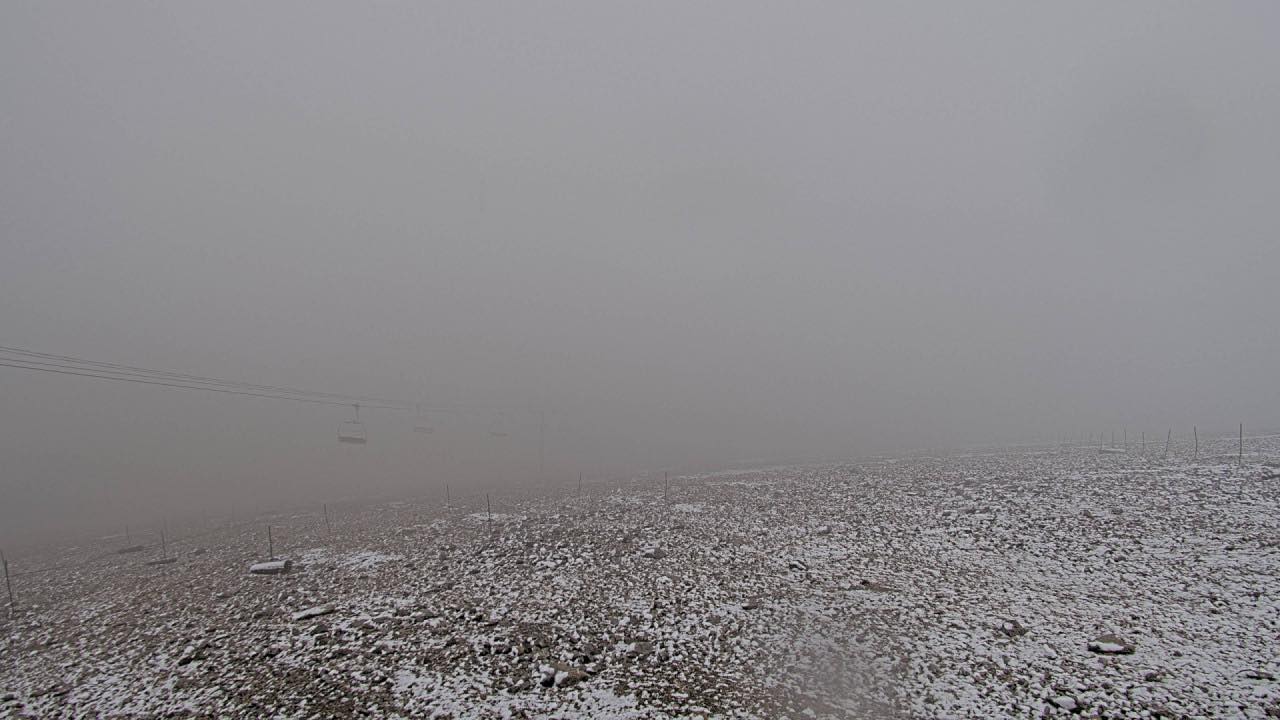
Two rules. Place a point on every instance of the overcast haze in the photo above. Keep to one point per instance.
(695, 234)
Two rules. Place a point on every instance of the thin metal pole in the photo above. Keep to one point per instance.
(1196, 433)
(271, 545)
(1240, 458)
(1167, 439)
(664, 486)
(327, 527)
(8, 585)
(447, 500)
(579, 484)
(488, 510)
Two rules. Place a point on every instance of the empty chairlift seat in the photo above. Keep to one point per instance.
(352, 431)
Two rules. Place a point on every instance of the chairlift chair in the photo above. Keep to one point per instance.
(352, 431)
(420, 424)
(499, 428)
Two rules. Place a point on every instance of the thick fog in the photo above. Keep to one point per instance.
(641, 236)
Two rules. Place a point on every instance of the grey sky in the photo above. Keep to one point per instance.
(700, 233)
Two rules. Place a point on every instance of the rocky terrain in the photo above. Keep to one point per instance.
(1016, 583)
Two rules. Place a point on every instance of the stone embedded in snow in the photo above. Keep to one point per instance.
(271, 567)
(874, 586)
(572, 676)
(824, 529)
(1109, 644)
(559, 675)
(191, 653)
(640, 648)
(368, 559)
(655, 553)
(1012, 628)
(162, 561)
(1065, 702)
(797, 565)
(312, 612)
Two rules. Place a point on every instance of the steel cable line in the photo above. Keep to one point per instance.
(123, 375)
(228, 391)
(133, 369)
(70, 365)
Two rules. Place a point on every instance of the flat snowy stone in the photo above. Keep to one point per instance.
(1066, 702)
(1111, 645)
(311, 612)
(271, 567)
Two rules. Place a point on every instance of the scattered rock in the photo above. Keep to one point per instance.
(312, 612)
(639, 649)
(1012, 628)
(191, 653)
(1109, 644)
(1065, 702)
(874, 586)
(560, 675)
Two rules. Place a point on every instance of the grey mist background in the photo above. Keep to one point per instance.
(694, 234)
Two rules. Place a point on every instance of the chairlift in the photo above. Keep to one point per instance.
(352, 431)
(420, 424)
(498, 429)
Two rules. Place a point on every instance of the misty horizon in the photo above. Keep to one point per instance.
(692, 238)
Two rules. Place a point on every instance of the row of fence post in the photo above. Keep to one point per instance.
(1168, 440)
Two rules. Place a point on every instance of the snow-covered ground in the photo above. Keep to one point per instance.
(1020, 583)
